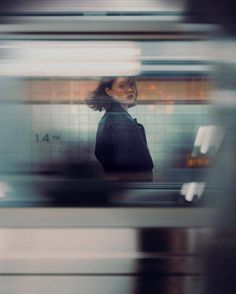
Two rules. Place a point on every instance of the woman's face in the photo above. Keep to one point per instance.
(124, 91)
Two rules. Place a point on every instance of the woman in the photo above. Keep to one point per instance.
(121, 145)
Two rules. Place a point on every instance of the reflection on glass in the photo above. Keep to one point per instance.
(51, 133)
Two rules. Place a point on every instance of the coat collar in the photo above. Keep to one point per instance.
(116, 107)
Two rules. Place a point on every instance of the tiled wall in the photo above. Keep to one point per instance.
(38, 133)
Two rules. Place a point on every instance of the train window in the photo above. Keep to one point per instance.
(51, 134)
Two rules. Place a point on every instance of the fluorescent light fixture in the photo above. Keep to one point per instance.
(65, 59)
(209, 136)
(189, 190)
(200, 137)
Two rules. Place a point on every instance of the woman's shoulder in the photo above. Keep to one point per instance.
(117, 117)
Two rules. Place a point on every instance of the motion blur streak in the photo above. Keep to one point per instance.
(37, 58)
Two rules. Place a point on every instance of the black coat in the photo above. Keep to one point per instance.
(121, 144)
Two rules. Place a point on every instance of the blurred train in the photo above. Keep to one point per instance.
(64, 228)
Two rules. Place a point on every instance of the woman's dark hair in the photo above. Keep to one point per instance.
(99, 99)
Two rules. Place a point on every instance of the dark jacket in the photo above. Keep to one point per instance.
(121, 145)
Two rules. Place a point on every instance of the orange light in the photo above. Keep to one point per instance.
(198, 162)
(152, 87)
